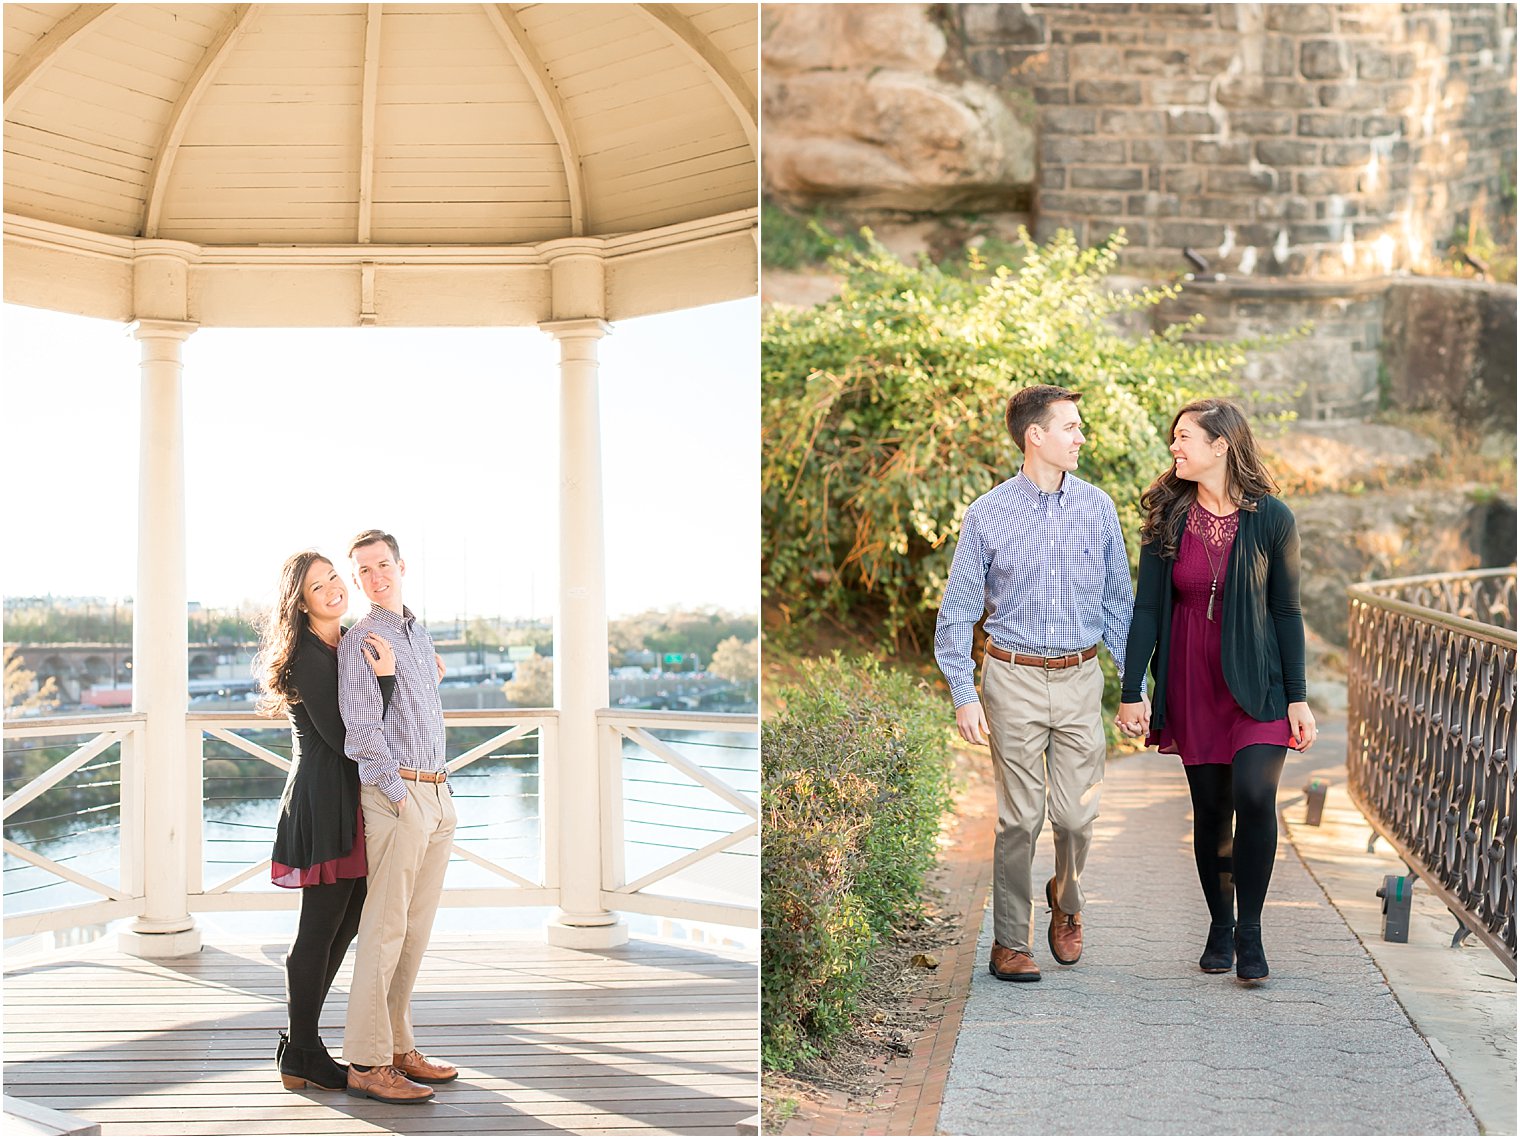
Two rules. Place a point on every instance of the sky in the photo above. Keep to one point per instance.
(448, 438)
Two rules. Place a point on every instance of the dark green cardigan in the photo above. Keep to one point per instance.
(1262, 627)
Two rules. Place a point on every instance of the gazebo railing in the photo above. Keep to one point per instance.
(690, 832)
(692, 773)
(90, 741)
(1431, 735)
(534, 841)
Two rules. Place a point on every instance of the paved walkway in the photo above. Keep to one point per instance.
(1135, 1040)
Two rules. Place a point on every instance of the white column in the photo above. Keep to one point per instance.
(165, 773)
(580, 644)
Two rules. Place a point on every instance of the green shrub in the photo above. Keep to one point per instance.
(855, 779)
(793, 240)
(883, 415)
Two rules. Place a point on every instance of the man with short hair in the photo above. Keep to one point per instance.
(408, 828)
(1042, 557)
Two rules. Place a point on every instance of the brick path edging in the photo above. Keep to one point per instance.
(909, 1103)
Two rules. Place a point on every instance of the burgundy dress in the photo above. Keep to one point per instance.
(1203, 722)
(319, 837)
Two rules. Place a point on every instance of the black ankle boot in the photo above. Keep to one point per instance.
(1219, 952)
(301, 1066)
(1250, 957)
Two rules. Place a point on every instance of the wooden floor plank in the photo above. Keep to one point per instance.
(651, 1038)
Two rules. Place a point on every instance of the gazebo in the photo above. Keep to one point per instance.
(566, 166)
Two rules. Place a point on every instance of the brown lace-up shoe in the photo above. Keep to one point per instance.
(1065, 930)
(386, 1084)
(1012, 964)
(416, 1066)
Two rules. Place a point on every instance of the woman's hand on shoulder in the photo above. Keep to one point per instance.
(381, 657)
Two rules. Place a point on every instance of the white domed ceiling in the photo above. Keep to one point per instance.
(397, 124)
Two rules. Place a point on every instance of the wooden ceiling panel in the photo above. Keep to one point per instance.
(446, 160)
(164, 38)
(267, 135)
(25, 23)
(318, 158)
(463, 124)
(106, 126)
(273, 122)
(732, 29)
(668, 106)
(23, 140)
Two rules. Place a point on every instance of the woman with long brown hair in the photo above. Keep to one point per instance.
(1217, 619)
(319, 839)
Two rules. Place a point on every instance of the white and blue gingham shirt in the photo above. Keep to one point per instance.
(411, 733)
(1049, 571)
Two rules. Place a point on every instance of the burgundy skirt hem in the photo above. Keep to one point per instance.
(354, 864)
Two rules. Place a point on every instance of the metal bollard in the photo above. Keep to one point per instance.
(1397, 894)
(1314, 798)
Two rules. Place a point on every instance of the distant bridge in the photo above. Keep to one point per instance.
(78, 667)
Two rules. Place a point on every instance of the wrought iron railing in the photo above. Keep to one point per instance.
(1430, 760)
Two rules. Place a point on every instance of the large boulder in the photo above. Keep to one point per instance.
(1346, 538)
(860, 108)
(1449, 346)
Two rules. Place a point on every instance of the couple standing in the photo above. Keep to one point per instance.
(366, 819)
(1217, 618)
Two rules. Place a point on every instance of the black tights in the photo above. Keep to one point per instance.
(1236, 871)
(329, 923)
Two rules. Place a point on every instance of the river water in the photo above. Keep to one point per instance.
(499, 803)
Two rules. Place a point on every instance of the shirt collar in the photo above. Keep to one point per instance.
(1035, 495)
(385, 616)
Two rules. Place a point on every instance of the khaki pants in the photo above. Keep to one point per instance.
(407, 859)
(1046, 732)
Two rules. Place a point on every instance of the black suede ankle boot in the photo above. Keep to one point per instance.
(1250, 957)
(301, 1066)
(1219, 952)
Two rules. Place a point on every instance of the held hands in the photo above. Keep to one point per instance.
(1301, 721)
(1134, 719)
(971, 723)
(381, 657)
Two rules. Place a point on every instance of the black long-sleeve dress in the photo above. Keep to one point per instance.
(320, 834)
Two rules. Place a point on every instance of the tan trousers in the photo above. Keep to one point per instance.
(407, 859)
(1046, 732)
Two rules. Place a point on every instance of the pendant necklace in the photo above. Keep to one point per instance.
(1213, 573)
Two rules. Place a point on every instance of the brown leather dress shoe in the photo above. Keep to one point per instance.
(1012, 964)
(386, 1084)
(416, 1066)
(1065, 930)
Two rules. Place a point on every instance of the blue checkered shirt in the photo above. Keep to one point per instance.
(1048, 570)
(411, 735)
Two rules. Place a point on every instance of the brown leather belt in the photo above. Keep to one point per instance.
(422, 776)
(1069, 660)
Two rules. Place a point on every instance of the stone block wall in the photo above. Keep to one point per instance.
(1277, 140)
(1328, 373)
